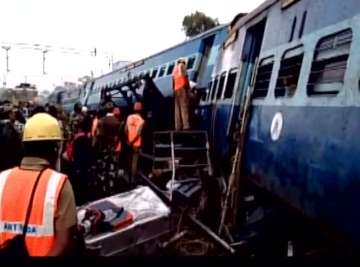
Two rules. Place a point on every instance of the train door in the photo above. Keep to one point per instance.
(251, 52)
(226, 114)
(205, 49)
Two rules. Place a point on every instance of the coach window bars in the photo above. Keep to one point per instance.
(263, 77)
(329, 64)
(289, 73)
(212, 96)
(162, 71)
(170, 68)
(191, 62)
(229, 89)
(221, 85)
(208, 90)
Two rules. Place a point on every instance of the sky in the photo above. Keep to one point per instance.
(119, 29)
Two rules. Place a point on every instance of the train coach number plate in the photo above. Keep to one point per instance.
(276, 126)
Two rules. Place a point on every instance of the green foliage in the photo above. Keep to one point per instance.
(198, 22)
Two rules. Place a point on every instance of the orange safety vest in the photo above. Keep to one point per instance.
(15, 190)
(133, 123)
(180, 80)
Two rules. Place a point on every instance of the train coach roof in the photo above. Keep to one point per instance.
(201, 35)
(251, 15)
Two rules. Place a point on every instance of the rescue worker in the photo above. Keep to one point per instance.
(52, 221)
(94, 127)
(109, 129)
(119, 139)
(181, 89)
(108, 147)
(133, 129)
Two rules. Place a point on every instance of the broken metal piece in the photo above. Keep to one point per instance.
(212, 234)
(240, 243)
(228, 234)
(174, 238)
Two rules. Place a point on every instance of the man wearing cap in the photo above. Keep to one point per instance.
(52, 219)
(181, 89)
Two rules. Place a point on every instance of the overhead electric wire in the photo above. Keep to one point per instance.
(62, 49)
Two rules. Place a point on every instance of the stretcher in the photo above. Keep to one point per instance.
(151, 221)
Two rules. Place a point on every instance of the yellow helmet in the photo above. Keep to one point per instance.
(42, 127)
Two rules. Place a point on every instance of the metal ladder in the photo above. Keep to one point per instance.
(181, 152)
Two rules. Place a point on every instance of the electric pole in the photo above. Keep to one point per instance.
(44, 52)
(7, 48)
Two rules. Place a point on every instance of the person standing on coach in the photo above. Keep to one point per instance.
(181, 89)
(52, 220)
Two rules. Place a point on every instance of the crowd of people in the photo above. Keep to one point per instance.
(101, 147)
(99, 151)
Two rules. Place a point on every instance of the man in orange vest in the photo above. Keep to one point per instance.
(181, 89)
(52, 221)
(133, 130)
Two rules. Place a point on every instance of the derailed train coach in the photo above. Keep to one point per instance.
(200, 52)
(301, 59)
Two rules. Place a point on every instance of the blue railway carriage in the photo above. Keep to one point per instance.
(68, 97)
(301, 143)
(200, 51)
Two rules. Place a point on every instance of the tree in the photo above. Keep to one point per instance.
(198, 22)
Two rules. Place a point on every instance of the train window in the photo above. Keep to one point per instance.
(162, 71)
(221, 86)
(289, 73)
(263, 76)
(190, 63)
(170, 68)
(154, 73)
(229, 89)
(329, 64)
(214, 88)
